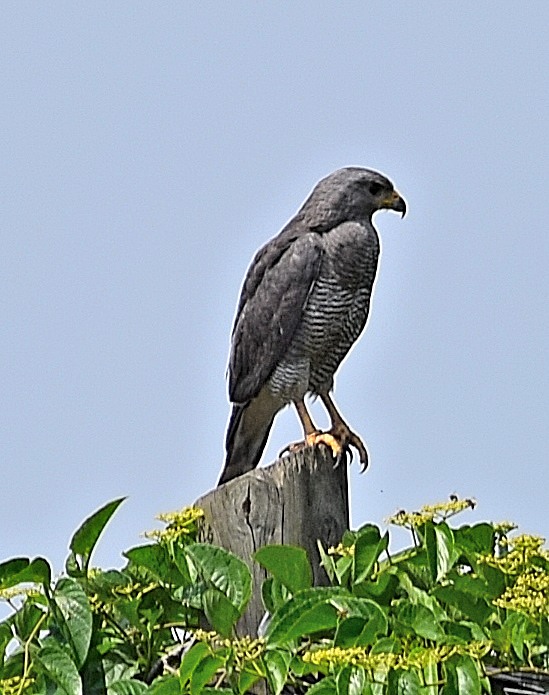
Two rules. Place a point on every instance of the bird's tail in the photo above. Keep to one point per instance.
(247, 434)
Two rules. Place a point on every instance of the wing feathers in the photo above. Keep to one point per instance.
(271, 304)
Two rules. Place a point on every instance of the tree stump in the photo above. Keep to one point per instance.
(298, 500)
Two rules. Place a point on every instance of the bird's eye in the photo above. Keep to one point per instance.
(375, 188)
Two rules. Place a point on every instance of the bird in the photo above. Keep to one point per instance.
(303, 304)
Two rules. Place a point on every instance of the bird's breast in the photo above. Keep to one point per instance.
(334, 314)
(351, 256)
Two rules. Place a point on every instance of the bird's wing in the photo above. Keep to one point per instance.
(270, 309)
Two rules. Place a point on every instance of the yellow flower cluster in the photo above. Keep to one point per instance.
(383, 661)
(342, 550)
(353, 656)
(178, 524)
(520, 559)
(504, 527)
(518, 554)
(131, 590)
(530, 594)
(431, 512)
(15, 685)
(526, 545)
(243, 649)
(12, 592)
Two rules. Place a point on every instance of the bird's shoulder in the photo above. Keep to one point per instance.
(290, 250)
(270, 308)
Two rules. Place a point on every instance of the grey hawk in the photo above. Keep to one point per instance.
(303, 304)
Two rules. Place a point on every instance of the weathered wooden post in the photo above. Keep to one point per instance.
(297, 500)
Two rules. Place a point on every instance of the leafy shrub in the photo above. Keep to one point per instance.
(435, 618)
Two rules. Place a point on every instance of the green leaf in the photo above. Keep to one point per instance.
(327, 561)
(472, 584)
(421, 620)
(350, 633)
(403, 683)
(156, 559)
(60, 668)
(357, 681)
(474, 608)
(326, 686)
(445, 550)
(274, 594)
(430, 675)
(313, 616)
(22, 571)
(517, 625)
(287, 563)
(85, 538)
(368, 547)
(105, 583)
(494, 579)
(344, 569)
(224, 571)
(466, 676)
(204, 672)
(342, 680)
(461, 631)
(128, 687)
(94, 672)
(307, 612)
(11, 568)
(373, 621)
(5, 638)
(277, 664)
(420, 597)
(190, 661)
(167, 685)
(153, 557)
(387, 645)
(382, 589)
(26, 619)
(361, 607)
(220, 612)
(430, 545)
(181, 562)
(358, 632)
(350, 681)
(475, 539)
(544, 630)
(71, 600)
(246, 681)
(438, 543)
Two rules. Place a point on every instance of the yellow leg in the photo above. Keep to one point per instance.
(305, 418)
(338, 438)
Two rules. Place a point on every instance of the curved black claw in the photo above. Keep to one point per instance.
(349, 440)
(362, 450)
(326, 438)
(340, 442)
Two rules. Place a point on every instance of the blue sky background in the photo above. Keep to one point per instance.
(148, 149)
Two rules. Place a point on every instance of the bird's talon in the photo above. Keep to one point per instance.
(339, 443)
(329, 440)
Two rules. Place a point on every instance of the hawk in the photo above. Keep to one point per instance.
(303, 304)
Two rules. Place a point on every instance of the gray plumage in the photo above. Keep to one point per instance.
(303, 304)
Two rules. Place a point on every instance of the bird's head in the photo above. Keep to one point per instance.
(351, 194)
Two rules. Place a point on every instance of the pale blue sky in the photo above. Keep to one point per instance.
(148, 149)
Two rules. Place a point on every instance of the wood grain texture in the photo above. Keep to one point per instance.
(297, 500)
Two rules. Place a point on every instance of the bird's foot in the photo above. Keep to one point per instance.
(312, 440)
(339, 440)
(346, 439)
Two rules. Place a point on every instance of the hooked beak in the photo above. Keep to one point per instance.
(395, 202)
